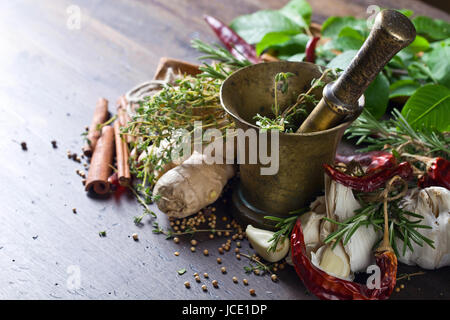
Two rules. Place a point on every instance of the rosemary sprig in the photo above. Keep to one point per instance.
(371, 214)
(398, 135)
(284, 227)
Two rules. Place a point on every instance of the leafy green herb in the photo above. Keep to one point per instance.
(102, 233)
(181, 271)
(397, 134)
(284, 227)
(429, 107)
(404, 225)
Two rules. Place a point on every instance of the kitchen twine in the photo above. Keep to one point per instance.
(147, 89)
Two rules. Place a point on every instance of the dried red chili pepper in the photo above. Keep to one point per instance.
(238, 47)
(373, 160)
(116, 187)
(327, 287)
(438, 174)
(310, 51)
(372, 182)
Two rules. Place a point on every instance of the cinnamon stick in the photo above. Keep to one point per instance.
(122, 154)
(100, 168)
(100, 116)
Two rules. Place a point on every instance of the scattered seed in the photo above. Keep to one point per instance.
(256, 271)
(211, 236)
(176, 253)
(235, 279)
(197, 278)
(193, 249)
(176, 240)
(252, 292)
(196, 274)
(24, 146)
(135, 236)
(238, 256)
(206, 275)
(223, 269)
(219, 261)
(238, 244)
(274, 277)
(245, 282)
(227, 248)
(187, 284)
(237, 250)
(193, 242)
(54, 145)
(227, 234)
(205, 252)
(74, 210)
(204, 288)
(215, 283)
(397, 289)
(224, 218)
(402, 286)
(220, 250)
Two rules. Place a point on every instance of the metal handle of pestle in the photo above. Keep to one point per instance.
(391, 32)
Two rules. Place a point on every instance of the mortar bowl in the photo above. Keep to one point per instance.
(300, 177)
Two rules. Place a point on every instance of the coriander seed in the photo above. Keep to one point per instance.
(274, 277)
(176, 240)
(245, 282)
(193, 242)
(206, 275)
(135, 236)
(215, 283)
(252, 292)
(176, 253)
(235, 279)
(193, 249)
(187, 284)
(204, 288)
(206, 252)
(219, 261)
(223, 269)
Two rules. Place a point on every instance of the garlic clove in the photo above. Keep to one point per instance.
(333, 261)
(360, 248)
(311, 230)
(341, 201)
(260, 241)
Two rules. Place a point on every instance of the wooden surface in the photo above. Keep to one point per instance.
(50, 78)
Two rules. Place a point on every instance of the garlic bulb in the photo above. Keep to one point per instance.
(333, 261)
(259, 240)
(341, 204)
(433, 204)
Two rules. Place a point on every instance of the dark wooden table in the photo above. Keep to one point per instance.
(50, 79)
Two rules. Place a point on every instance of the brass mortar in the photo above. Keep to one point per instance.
(300, 178)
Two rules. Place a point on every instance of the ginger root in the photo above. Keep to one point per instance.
(191, 186)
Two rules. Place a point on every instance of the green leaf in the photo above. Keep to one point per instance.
(297, 44)
(406, 12)
(419, 44)
(271, 39)
(403, 88)
(377, 94)
(297, 57)
(343, 60)
(433, 29)
(333, 26)
(429, 106)
(348, 39)
(181, 271)
(253, 27)
(438, 61)
(298, 11)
